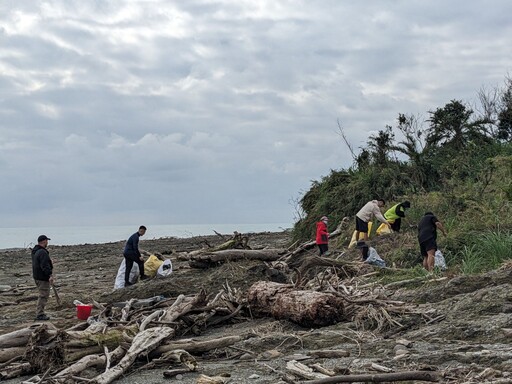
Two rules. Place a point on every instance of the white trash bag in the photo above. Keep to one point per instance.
(165, 269)
(134, 274)
(439, 260)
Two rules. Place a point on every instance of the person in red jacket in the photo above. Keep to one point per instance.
(322, 236)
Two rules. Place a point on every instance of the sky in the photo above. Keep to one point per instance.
(205, 111)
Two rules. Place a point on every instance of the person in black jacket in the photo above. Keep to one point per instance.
(132, 255)
(42, 270)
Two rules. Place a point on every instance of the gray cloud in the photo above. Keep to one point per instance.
(208, 112)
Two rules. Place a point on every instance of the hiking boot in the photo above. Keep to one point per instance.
(127, 283)
(42, 317)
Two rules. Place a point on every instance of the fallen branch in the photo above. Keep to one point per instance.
(379, 377)
(143, 343)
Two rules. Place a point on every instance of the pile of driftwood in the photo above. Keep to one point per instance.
(142, 334)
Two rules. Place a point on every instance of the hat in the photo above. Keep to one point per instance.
(361, 244)
(42, 238)
(323, 218)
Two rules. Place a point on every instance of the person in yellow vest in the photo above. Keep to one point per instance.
(395, 214)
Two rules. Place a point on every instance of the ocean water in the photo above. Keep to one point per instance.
(27, 237)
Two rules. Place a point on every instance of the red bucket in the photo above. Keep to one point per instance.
(83, 311)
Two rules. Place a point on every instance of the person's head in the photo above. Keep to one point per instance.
(428, 213)
(43, 241)
(142, 230)
(406, 204)
(324, 219)
(381, 202)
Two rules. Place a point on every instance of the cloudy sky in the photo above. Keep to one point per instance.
(216, 111)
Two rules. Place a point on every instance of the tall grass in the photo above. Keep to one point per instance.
(487, 251)
(496, 246)
(472, 261)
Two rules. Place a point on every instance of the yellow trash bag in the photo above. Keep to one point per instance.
(354, 241)
(151, 266)
(384, 229)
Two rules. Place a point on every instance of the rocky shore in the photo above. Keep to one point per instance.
(463, 334)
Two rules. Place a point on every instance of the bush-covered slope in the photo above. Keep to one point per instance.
(457, 164)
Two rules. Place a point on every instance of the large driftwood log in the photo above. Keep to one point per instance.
(206, 260)
(379, 377)
(197, 346)
(20, 337)
(7, 354)
(307, 308)
(143, 343)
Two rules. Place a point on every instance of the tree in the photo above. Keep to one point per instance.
(381, 145)
(505, 113)
(452, 127)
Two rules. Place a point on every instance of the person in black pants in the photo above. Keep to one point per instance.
(132, 255)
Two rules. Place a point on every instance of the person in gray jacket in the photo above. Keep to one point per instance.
(42, 271)
(370, 210)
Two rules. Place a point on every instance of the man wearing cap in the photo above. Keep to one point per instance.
(322, 235)
(42, 269)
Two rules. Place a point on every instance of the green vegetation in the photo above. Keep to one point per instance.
(457, 163)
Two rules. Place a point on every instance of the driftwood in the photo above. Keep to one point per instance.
(206, 260)
(176, 371)
(20, 337)
(237, 241)
(299, 369)
(92, 361)
(306, 308)
(203, 379)
(348, 269)
(197, 346)
(379, 377)
(7, 354)
(58, 349)
(143, 343)
(15, 370)
(183, 305)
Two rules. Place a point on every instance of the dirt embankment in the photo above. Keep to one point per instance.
(467, 337)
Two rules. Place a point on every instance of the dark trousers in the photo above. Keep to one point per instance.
(396, 225)
(322, 248)
(129, 260)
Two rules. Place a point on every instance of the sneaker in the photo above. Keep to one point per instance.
(42, 317)
(144, 277)
(127, 283)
